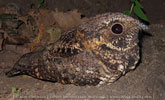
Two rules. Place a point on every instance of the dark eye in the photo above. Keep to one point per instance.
(117, 28)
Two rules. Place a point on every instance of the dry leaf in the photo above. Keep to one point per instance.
(68, 20)
(37, 40)
(54, 33)
(1, 42)
(2, 38)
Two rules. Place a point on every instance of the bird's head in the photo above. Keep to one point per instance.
(112, 30)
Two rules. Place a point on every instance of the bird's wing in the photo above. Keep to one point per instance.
(69, 44)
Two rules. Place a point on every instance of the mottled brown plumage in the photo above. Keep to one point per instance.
(98, 51)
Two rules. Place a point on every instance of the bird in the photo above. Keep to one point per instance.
(97, 52)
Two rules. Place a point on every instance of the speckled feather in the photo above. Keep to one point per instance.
(98, 51)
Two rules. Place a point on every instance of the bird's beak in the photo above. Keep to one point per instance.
(143, 26)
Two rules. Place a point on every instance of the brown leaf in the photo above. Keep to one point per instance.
(2, 38)
(1, 42)
(68, 20)
(37, 40)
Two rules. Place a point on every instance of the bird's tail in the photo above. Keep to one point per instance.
(13, 72)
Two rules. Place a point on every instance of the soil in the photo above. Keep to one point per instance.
(146, 82)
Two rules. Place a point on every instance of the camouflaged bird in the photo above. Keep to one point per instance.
(98, 51)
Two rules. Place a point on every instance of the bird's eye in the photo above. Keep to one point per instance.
(117, 28)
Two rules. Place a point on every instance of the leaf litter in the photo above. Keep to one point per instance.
(39, 27)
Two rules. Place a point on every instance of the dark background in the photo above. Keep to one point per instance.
(155, 9)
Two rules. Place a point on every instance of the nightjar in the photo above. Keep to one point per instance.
(96, 52)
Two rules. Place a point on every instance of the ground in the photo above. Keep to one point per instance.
(146, 82)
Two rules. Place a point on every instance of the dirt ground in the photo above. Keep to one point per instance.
(146, 82)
